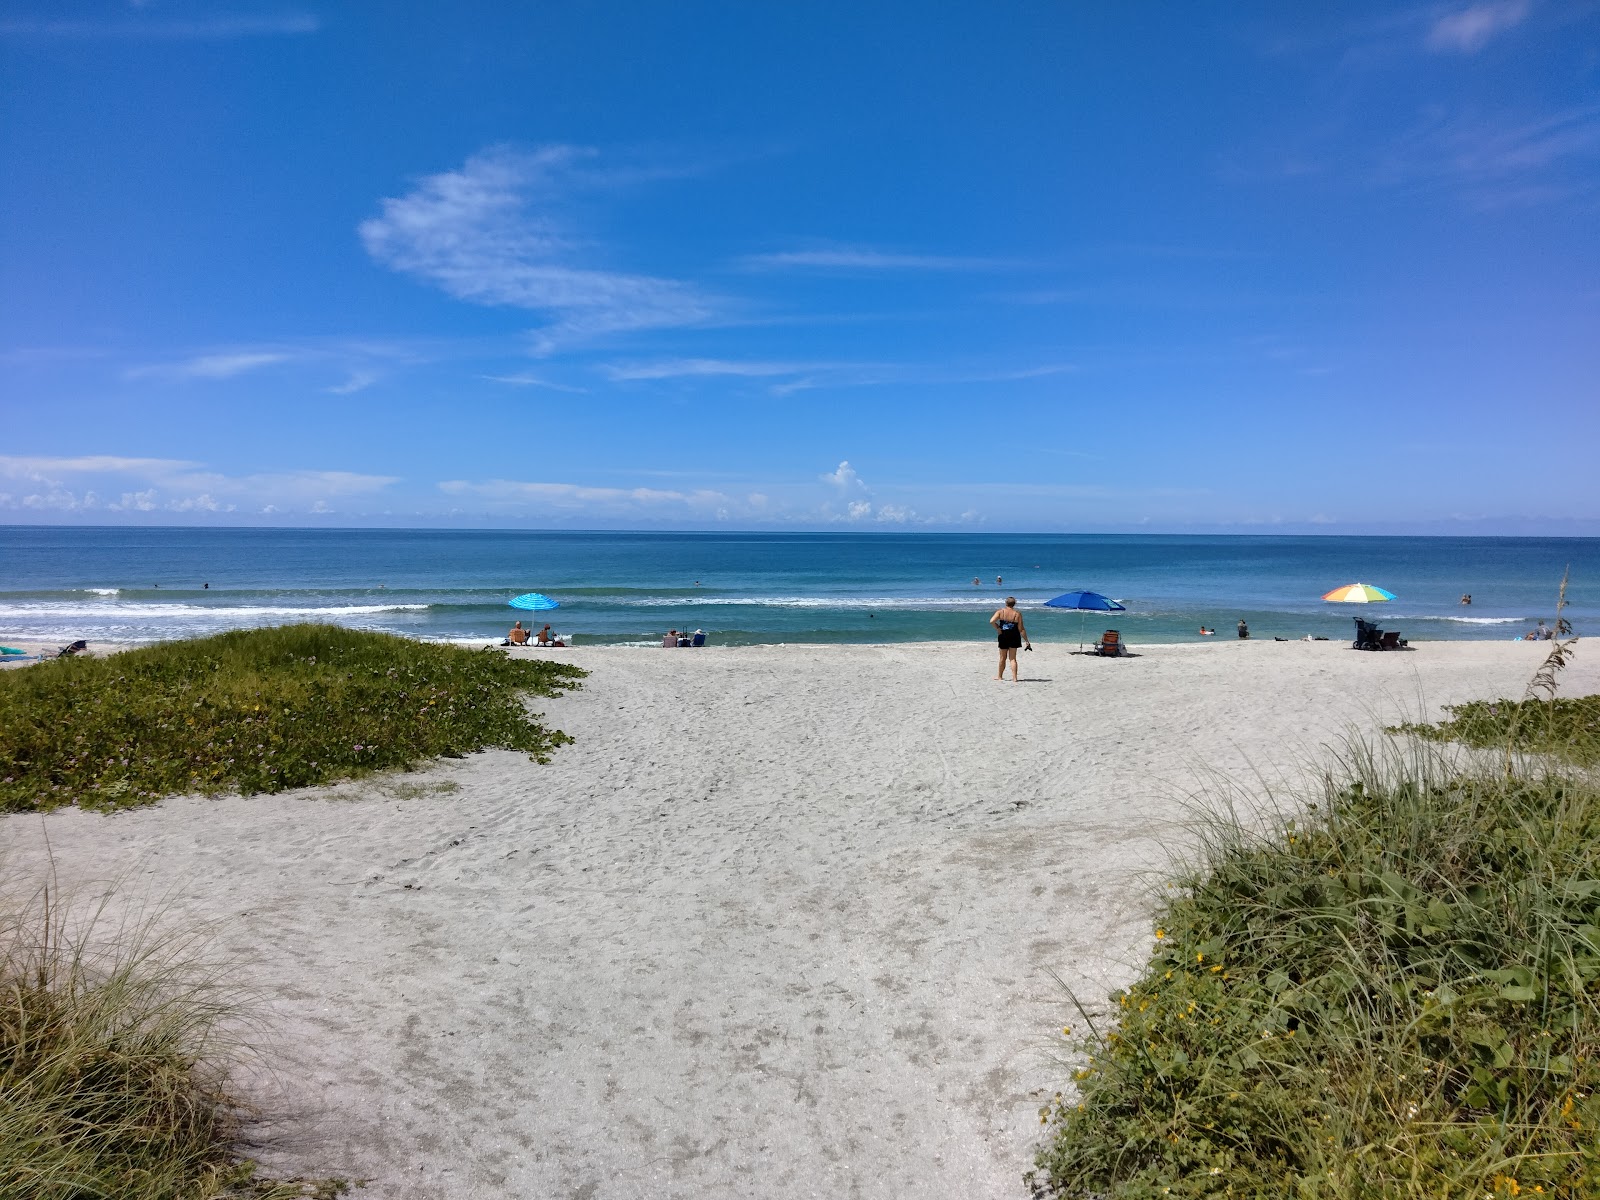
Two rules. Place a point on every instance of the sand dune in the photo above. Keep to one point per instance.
(783, 922)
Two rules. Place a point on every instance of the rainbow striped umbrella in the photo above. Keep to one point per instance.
(1357, 593)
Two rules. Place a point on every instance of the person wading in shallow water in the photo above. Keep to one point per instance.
(1012, 635)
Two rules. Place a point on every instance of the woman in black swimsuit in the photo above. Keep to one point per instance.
(1012, 635)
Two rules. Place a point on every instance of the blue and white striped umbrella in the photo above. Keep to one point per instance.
(534, 602)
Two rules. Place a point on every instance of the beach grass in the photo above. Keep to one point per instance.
(258, 711)
(1397, 995)
(116, 1040)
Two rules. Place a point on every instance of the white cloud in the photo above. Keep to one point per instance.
(1500, 162)
(147, 485)
(1468, 30)
(844, 477)
(210, 366)
(681, 368)
(357, 381)
(524, 379)
(144, 501)
(492, 233)
(200, 503)
(858, 510)
(571, 496)
(42, 467)
(60, 500)
(855, 258)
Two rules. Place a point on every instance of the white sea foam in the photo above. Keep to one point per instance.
(1473, 620)
(190, 612)
(932, 603)
(104, 591)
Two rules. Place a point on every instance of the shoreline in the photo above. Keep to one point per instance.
(35, 647)
(789, 914)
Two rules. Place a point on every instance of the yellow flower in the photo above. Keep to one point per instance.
(1199, 958)
(1160, 933)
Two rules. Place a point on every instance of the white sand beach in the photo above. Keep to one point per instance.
(783, 922)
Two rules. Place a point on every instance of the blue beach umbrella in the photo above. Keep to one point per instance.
(533, 602)
(1084, 602)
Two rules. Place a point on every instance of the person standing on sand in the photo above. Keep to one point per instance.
(1012, 634)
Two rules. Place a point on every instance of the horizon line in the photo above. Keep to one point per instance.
(1220, 531)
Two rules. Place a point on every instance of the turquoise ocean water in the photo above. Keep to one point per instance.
(125, 585)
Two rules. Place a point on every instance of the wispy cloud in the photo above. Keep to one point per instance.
(524, 379)
(683, 368)
(572, 496)
(912, 375)
(495, 232)
(117, 484)
(46, 468)
(353, 364)
(357, 381)
(210, 366)
(805, 376)
(1501, 159)
(858, 258)
(842, 498)
(221, 28)
(1468, 30)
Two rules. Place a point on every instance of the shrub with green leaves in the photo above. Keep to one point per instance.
(1568, 728)
(258, 711)
(1399, 998)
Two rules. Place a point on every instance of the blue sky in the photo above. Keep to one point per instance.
(1013, 266)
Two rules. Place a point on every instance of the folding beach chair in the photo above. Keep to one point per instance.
(1110, 645)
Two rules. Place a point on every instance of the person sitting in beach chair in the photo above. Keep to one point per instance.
(699, 638)
(670, 640)
(516, 636)
(1110, 645)
(546, 638)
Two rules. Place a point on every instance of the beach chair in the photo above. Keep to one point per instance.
(1392, 640)
(1110, 645)
(699, 639)
(1368, 636)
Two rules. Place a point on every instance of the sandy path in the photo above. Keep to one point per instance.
(781, 923)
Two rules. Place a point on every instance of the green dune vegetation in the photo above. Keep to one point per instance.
(1396, 995)
(258, 711)
(118, 1038)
